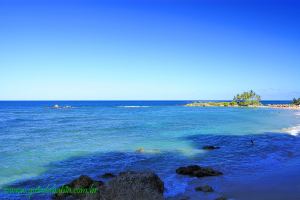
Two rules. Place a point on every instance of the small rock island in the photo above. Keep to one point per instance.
(245, 99)
(250, 99)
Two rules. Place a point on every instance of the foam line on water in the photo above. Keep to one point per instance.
(295, 130)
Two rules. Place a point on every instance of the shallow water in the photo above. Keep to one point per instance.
(41, 145)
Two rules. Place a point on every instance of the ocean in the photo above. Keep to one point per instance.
(42, 146)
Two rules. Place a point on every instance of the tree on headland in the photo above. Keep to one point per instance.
(296, 101)
(247, 99)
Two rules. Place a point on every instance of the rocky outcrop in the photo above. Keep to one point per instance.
(135, 186)
(284, 106)
(210, 147)
(204, 188)
(125, 186)
(81, 188)
(197, 171)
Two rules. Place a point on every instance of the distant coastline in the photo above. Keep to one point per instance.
(246, 99)
(229, 104)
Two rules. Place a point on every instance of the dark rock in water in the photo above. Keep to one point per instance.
(126, 186)
(135, 186)
(197, 171)
(205, 188)
(81, 188)
(108, 175)
(221, 198)
(185, 198)
(84, 182)
(210, 147)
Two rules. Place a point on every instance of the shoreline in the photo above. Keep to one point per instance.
(284, 106)
(221, 104)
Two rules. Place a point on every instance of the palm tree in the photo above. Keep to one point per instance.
(247, 98)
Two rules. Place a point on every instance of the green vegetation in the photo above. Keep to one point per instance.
(296, 101)
(245, 99)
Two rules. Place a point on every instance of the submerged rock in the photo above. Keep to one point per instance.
(205, 188)
(126, 186)
(108, 175)
(150, 151)
(210, 147)
(185, 198)
(140, 150)
(178, 197)
(221, 198)
(197, 171)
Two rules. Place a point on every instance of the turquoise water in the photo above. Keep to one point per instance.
(41, 145)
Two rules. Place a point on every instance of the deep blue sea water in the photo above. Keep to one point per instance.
(41, 145)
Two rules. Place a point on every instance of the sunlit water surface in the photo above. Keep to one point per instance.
(41, 145)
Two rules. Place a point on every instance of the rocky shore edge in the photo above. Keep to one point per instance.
(129, 185)
(229, 104)
(284, 106)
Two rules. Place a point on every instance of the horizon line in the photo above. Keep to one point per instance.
(136, 100)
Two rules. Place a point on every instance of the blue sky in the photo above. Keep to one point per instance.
(159, 49)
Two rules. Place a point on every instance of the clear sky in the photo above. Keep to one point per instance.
(142, 49)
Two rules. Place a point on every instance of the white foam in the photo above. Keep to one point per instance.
(298, 114)
(295, 130)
